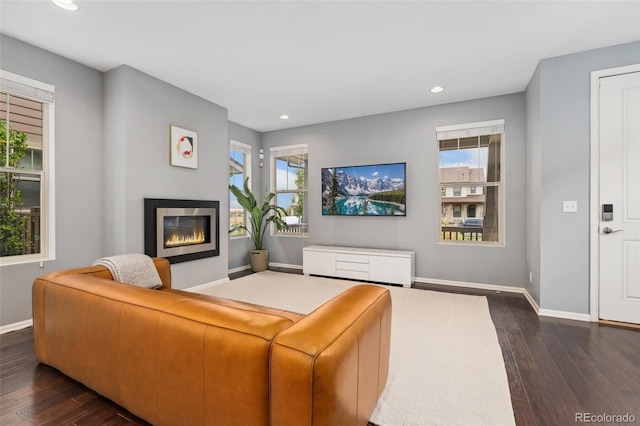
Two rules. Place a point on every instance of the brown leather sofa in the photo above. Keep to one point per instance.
(177, 358)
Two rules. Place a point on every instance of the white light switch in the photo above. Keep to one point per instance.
(569, 207)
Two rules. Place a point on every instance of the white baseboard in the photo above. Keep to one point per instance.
(564, 315)
(479, 286)
(16, 326)
(274, 264)
(555, 314)
(285, 265)
(541, 312)
(239, 269)
(531, 300)
(199, 288)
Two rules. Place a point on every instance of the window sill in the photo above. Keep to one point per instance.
(292, 235)
(22, 260)
(238, 237)
(471, 243)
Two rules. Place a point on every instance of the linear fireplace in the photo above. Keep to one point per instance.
(181, 230)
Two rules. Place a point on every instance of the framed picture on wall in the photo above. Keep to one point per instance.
(184, 148)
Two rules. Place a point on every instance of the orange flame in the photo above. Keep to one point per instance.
(185, 240)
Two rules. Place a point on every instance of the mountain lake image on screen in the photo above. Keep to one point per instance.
(371, 190)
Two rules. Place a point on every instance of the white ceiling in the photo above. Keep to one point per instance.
(326, 60)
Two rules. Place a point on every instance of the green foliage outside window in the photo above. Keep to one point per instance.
(13, 148)
(299, 206)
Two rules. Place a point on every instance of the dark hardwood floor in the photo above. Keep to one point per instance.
(556, 369)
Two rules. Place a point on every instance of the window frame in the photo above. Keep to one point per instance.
(280, 151)
(44, 93)
(248, 151)
(461, 131)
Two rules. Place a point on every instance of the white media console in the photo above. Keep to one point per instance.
(385, 266)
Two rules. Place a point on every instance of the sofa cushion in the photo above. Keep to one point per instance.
(292, 316)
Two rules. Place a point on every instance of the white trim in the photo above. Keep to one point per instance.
(239, 269)
(239, 237)
(290, 235)
(16, 326)
(247, 150)
(285, 265)
(49, 215)
(278, 152)
(26, 81)
(488, 123)
(274, 264)
(240, 146)
(457, 131)
(47, 185)
(594, 196)
(479, 286)
(531, 300)
(288, 147)
(501, 185)
(564, 315)
(201, 287)
(520, 290)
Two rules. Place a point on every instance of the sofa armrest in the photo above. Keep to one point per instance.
(330, 367)
(161, 264)
(164, 270)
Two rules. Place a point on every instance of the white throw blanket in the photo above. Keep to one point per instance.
(136, 269)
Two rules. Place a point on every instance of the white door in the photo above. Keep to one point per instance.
(619, 238)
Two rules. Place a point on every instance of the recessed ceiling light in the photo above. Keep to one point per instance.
(66, 4)
(437, 89)
(284, 117)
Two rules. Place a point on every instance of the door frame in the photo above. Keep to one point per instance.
(594, 178)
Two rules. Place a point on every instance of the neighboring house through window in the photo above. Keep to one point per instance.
(239, 170)
(470, 158)
(289, 176)
(26, 165)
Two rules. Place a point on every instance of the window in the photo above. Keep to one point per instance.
(289, 175)
(471, 157)
(26, 159)
(239, 170)
(443, 191)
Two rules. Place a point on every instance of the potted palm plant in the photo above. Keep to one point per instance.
(260, 216)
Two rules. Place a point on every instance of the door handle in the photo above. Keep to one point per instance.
(608, 230)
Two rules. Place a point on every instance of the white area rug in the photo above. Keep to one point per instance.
(446, 366)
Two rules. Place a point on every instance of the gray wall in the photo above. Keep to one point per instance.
(239, 246)
(564, 98)
(78, 169)
(139, 112)
(409, 136)
(533, 186)
(111, 151)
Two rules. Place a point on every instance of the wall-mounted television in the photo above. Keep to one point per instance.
(371, 190)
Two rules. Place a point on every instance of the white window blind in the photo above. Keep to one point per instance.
(460, 131)
(17, 85)
(241, 147)
(290, 150)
